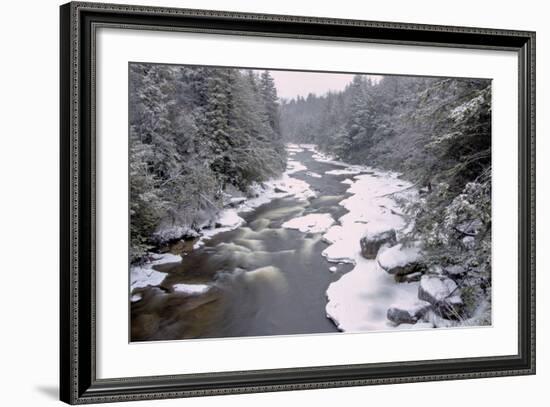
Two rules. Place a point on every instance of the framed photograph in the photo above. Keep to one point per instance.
(255, 203)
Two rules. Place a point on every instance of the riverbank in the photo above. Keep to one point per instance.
(227, 219)
(326, 238)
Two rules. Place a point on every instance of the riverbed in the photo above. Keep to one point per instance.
(273, 271)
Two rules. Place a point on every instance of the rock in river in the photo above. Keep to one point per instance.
(371, 243)
(444, 295)
(408, 315)
(400, 260)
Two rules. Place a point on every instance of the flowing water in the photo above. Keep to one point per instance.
(265, 279)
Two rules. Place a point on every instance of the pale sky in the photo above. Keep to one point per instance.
(290, 84)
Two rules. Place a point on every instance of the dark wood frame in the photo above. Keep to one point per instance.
(78, 382)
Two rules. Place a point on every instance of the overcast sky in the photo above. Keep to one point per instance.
(291, 84)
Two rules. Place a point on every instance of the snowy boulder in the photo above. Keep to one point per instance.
(144, 275)
(236, 201)
(401, 315)
(371, 243)
(444, 295)
(400, 260)
(229, 219)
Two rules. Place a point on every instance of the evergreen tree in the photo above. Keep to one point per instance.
(194, 131)
(270, 99)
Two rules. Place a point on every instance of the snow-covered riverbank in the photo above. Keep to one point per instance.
(360, 299)
(229, 218)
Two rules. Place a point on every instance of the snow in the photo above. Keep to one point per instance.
(314, 174)
(347, 181)
(398, 256)
(294, 166)
(351, 170)
(193, 289)
(359, 300)
(460, 111)
(440, 288)
(326, 158)
(136, 298)
(174, 232)
(369, 212)
(294, 148)
(312, 223)
(333, 269)
(230, 218)
(144, 275)
(288, 186)
(310, 147)
(414, 308)
(237, 200)
(294, 187)
(227, 220)
(291, 187)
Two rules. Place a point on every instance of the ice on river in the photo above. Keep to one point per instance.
(359, 300)
(227, 220)
(294, 148)
(284, 186)
(371, 210)
(351, 170)
(192, 289)
(314, 174)
(294, 166)
(312, 223)
(144, 275)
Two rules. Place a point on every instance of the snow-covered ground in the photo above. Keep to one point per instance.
(191, 288)
(359, 300)
(312, 223)
(351, 170)
(144, 275)
(398, 256)
(370, 211)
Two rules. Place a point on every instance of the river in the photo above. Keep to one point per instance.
(260, 278)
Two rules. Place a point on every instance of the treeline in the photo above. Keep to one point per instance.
(437, 132)
(196, 132)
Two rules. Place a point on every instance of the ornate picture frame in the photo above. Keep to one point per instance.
(79, 381)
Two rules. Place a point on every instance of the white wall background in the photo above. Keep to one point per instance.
(29, 163)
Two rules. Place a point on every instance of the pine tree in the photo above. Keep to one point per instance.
(270, 99)
(194, 131)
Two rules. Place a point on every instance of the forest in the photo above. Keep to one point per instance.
(196, 133)
(436, 132)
